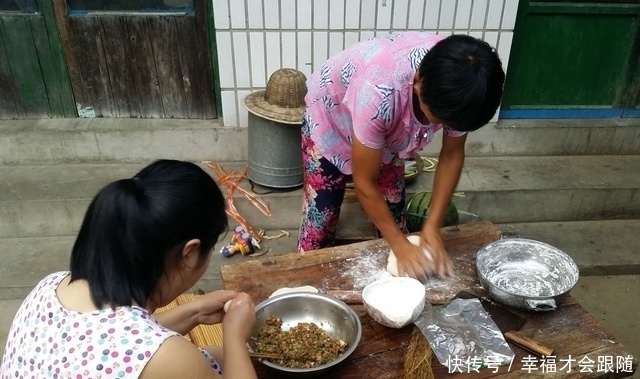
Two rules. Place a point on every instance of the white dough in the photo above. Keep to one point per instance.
(392, 264)
(284, 290)
(226, 306)
(392, 261)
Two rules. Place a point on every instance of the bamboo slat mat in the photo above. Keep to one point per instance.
(201, 335)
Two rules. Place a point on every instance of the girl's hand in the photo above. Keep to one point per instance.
(240, 319)
(210, 306)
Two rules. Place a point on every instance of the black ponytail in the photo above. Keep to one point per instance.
(134, 226)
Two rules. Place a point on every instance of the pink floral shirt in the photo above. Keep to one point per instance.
(366, 91)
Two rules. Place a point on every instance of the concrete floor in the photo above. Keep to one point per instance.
(613, 301)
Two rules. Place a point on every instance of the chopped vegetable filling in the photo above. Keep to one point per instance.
(305, 345)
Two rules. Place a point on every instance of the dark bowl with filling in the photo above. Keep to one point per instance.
(319, 316)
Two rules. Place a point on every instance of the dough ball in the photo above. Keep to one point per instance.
(392, 261)
(226, 306)
(392, 264)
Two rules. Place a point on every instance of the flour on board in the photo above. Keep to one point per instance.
(366, 267)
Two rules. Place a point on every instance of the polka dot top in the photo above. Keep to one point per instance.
(48, 341)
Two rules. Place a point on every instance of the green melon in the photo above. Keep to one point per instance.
(418, 209)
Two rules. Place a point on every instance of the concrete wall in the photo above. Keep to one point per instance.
(257, 37)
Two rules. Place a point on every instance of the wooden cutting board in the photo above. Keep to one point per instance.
(352, 267)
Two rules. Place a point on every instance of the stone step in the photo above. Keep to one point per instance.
(134, 140)
(552, 137)
(597, 247)
(50, 200)
(24, 261)
(123, 140)
(607, 247)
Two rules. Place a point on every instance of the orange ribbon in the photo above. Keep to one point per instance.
(231, 180)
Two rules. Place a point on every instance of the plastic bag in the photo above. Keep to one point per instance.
(467, 217)
(463, 331)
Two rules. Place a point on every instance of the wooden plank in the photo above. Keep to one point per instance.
(148, 66)
(89, 52)
(204, 60)
(272, 273)
(550, 329)
(105, 94)
(23, 94)
(165, 42)
(69, 42)
(47, 67)
(44, 63)
(142, 62)
(61, 95)
(189, 64)
(351, 267)
(188, 67)
(8, 93)
(213, 53)
(22, 56)
(196, 64)
(121, 74)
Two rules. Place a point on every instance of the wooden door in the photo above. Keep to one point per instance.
(34, 82)
(574, 59)
(138, 58)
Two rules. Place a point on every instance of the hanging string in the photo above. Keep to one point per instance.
(232, 181)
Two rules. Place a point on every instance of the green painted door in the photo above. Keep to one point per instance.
(34, 82)
(574, 59)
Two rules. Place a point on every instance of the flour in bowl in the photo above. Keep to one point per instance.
(394, 301)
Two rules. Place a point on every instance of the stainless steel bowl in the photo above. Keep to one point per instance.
(525, 273)
(335, 317)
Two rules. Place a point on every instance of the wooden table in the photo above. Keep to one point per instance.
(569, 329)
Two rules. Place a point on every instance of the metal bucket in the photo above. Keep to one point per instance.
(275, 153)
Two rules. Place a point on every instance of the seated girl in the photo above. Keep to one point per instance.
(143, 242)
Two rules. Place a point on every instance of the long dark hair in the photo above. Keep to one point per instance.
(133, 226)
(462, 80)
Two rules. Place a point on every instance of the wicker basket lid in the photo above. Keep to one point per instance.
(283, 99)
